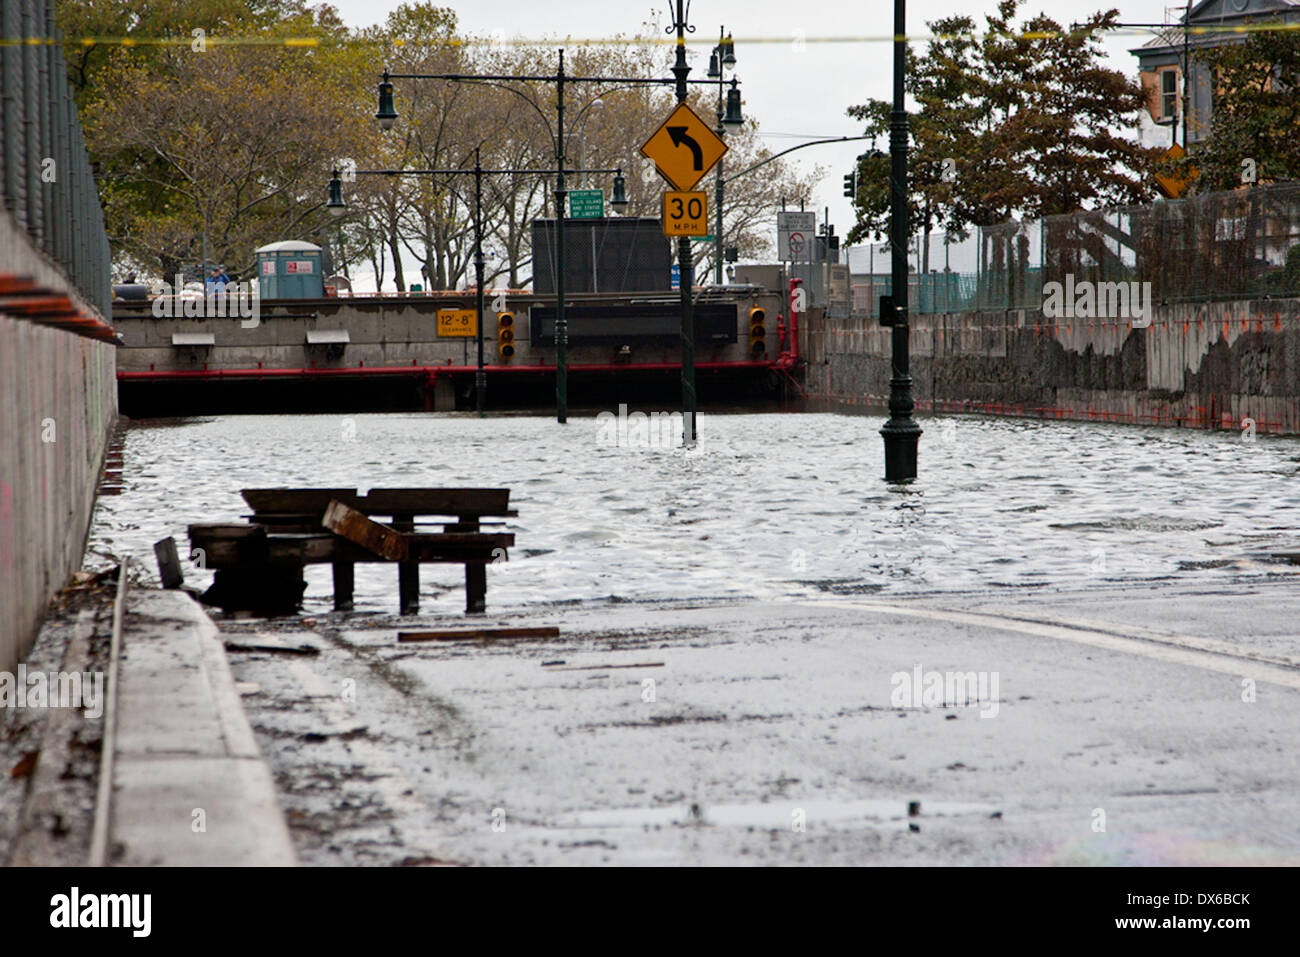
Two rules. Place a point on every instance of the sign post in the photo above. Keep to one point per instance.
(683, 149)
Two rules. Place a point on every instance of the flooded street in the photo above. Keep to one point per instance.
(999, 504)
(733, 631)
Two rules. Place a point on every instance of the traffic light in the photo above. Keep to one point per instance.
(887, 314)
(851, 184)
(505, 334)
(757, 331)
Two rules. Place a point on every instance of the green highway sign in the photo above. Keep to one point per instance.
(586, 204)
(704, 239)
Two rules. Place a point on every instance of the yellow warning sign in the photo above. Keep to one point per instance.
(457, 322)
(683, 149)
(1172, 185)
(686, 214)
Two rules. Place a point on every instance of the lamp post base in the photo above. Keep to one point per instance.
(901, 437)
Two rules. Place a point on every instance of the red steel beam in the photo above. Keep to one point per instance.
(21, 298)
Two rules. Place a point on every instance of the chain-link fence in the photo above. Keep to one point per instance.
(46, 182)
(1241, 244)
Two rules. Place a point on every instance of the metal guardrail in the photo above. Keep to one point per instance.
(46, 182)
(1239, 244)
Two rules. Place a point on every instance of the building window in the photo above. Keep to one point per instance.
(1168, 94)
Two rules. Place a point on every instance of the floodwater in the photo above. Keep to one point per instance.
(778, 506)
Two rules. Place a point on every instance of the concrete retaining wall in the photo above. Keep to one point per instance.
(57, 415)
(1208, 365)
(383, 332)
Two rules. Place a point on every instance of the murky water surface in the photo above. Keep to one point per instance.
(769, 505)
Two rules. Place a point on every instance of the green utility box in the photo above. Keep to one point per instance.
(290, 270)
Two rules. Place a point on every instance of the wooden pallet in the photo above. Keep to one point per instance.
(259, 565)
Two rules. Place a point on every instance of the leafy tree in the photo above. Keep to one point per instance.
(231, 145)
(1013, 121)
(1256, 112)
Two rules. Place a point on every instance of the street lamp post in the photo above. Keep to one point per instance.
(686, 280)
(480, 374)
(597, 105)
(900, 431)
(723, 56)
(561, 211)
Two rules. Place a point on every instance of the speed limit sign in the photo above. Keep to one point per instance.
(686, 214)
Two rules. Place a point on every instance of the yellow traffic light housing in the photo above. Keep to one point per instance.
(505, 334)
(757, 331)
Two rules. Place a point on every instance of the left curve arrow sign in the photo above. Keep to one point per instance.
(680, 137)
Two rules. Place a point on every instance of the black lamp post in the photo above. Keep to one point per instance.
(686, 280)
(337, 207)
(900, 431)
(723, 56)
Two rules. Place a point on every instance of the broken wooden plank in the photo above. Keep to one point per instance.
(478, 634)
(382, 501)
(347, 522)
(169, 563)
(325, 547)
(313, 500)
(642, 664)
(437, 501)
(270, 643)
(224, 545)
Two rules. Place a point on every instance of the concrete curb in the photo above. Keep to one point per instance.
(190, 787)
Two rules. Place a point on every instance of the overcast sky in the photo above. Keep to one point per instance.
(795, 90)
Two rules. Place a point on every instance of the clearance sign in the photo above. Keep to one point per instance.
(457, 323)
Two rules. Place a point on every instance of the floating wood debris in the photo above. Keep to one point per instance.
(357, 528)
(478, 634)
(640, 664)
(169, 563)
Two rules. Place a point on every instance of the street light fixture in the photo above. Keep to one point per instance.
(724, 56)
(733, 117)
(387, 113)
(335, 205)
(619, 199)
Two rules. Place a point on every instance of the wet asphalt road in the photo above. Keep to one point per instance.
(1135, 725)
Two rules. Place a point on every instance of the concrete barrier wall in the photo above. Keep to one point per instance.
(1207, 365)
(58, 412)
(383, 332)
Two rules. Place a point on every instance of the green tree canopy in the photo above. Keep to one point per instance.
(1014, 121)
(1256, 112)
